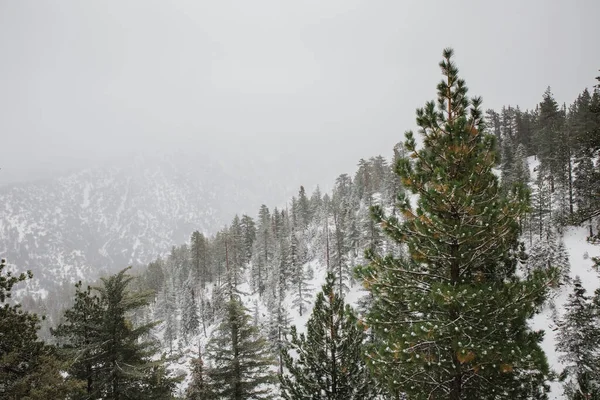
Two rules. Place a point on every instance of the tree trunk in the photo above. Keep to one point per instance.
(570, 170)
(456, 385)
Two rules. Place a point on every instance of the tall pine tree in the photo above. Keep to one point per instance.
(79, 338)
(451, 319)
(29, 369)
(241, 362)
(578, 340)
(125, 363)
(326, 363)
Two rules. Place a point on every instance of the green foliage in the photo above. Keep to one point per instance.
(116, 358)
(29, 369)
(326, 363)
(578, 340)
(198, 389)
(241, 364)
(450, 320)
(199, 258)
(190, 322)
(79, 334)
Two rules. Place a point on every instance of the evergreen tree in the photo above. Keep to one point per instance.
(551, 140)
(524, 123)
(394, 185)
(586, 121)
(235, 250)
(578, 341)
(200, 258)
(451, 319)
(180, 263)
(541, 206)
(169, 316)
(304, 210)
(219, 255)
(299, 277)
(370, 232)
(278, 327)
(190, 322)
(29, 369)
(550, 253)
(326, 362)
(125, 362)
(316, 202)
(241, 364)
(341, 235)
(155, 276)
(249, 236)
(587, 189)
(520, 171)
(199, 388)
(263, 252)
(79, 338)
(508, 147)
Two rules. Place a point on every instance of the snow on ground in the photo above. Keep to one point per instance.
(534, 164)
(580, 253)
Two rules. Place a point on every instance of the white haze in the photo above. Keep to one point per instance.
(302, 88)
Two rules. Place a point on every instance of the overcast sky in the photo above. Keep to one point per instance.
(308, 86)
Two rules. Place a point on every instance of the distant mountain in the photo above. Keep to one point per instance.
(85, 224)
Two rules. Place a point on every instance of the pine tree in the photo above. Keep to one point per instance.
(304, 210)
(541, 206)
(29, 369)
(235, 250)
(521, 168)
(550, 253)
(263, 252)
(249, 236)
(372, 237)
(168, 312)
(79, 338)
(341, 236)
(508, 150)
(326, 362)
(241, 364)
(518, 170)
(298, 275)
(199, 387)
(524, 124)
(125, 360)
(578, 341)
(451, 319)
(278, 327)
(200, 258)
(155, 276)
(190, 322)
(586, 121)
(316, 202)
(394, 185)
(551, 141)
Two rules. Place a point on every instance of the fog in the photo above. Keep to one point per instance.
(303, 88)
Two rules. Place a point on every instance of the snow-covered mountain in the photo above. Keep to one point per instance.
(88, 223)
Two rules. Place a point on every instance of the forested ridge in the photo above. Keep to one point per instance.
(433, 262)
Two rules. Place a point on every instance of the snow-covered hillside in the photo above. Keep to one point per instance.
(580, 253)
(578, 248)
(86, 224)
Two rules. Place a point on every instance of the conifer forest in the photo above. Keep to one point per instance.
(463, 264)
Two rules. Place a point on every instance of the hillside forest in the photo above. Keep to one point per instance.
(417, 277)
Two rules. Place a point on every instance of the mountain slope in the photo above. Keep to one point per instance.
(89, 223)
(263, 307)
